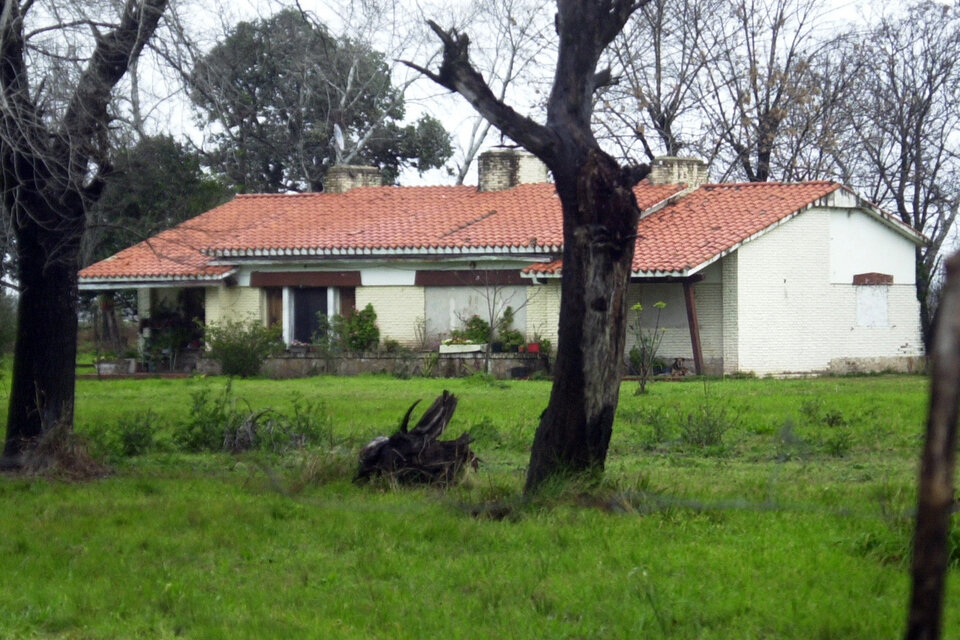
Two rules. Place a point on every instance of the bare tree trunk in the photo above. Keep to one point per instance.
(935, 497)
(53, 166)
(44, 359)
(574, 431)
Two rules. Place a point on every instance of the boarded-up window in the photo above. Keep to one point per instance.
(872, 306)
(449, 308)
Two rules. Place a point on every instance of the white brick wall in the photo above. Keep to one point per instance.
(729, 297)
(506, 168)
(543, 311)
(398, 311)
(342, 178)
(791, 319)
(673, 170)
(232, 303)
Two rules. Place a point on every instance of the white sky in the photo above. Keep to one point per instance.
(423, 97)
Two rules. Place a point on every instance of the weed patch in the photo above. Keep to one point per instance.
(220, 422)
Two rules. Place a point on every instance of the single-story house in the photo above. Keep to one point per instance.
(769, 278)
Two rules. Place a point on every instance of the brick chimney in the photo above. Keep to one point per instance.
(501, 169)
(343, 177)
(672, 170)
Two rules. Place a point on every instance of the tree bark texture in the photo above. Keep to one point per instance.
(574, 431)
(936, 495)
(52, 169)
(599, 226)
(44, 360)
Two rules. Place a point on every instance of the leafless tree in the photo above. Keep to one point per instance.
(905, 119)
(659, 59)
(519, 38)
(815, 139)
(761, 77)
(600, 216)
(59, 64)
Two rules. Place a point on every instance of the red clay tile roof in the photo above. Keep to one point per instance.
(680, 237)
(369, 220)
(703, 225)
(715, 218)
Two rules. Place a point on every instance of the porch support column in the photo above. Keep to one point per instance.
(693, 324)
(287, 317)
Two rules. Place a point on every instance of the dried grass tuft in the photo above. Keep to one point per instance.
(61, 453)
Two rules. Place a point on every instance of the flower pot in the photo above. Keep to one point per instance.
(533, 347)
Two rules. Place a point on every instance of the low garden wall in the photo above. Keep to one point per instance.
(411, 364)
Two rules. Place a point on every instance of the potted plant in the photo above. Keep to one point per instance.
(512, 339)
(545, 345)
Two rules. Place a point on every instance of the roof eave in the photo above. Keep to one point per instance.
(379, 252)
(153, 282)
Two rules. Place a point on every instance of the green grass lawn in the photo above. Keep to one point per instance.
(735, 509)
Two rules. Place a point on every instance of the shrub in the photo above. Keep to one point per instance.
(475, 330)
(660, 423)
(277, 432)
(135, 433)
(241, 347)
(430, 365)
(510, 337)
(706, 425)
(217, 423)
(309, 423)
(356, 332)
(211, 417)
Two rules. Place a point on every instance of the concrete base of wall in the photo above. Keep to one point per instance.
(894, 364)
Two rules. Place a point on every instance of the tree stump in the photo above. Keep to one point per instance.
(416, 456)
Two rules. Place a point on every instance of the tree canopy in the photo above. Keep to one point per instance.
(287, 100)
(154, 185)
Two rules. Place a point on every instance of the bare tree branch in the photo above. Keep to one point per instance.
(457, 74)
